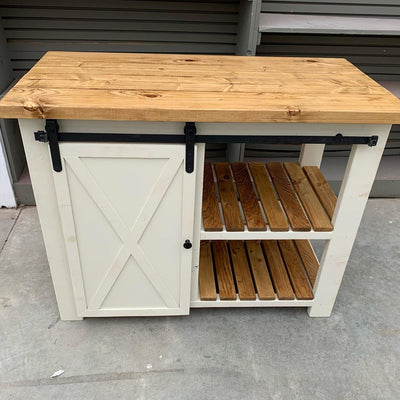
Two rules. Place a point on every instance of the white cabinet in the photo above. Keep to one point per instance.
(126, 211)
(116, 217)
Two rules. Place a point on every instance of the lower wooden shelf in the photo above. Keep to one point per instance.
(256, 273)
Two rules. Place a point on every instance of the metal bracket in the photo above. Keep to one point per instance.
(51, 135)
(373, 140)
(41, 136)
(190, 139)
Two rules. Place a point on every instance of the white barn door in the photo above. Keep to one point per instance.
(126, 211)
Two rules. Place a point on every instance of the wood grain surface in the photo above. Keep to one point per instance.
(277, 270)
(251, 209)
(287, 196)
(176, 87)
(226, 285)
(230, 206)
(307, 255)
(314, 209)
(261, 276)
(321, 188)
(295, 270)
(244, 281)
(275, 217)
(210, 209)
(206, 273)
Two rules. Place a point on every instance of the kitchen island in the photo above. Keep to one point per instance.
(136, 223)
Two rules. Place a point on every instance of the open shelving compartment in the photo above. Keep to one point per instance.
(257, 222)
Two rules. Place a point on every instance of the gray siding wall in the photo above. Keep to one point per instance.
(34, 27)
(379, 57)
(199, 27)
(375, 8)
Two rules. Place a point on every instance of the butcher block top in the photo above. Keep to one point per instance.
(170, 87)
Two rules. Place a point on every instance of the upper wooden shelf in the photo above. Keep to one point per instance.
(166, 87)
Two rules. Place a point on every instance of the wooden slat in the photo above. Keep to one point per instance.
(322, 188)
(314, 209)
(309, 94)
(230, 206)
(261, 276)
(251, 209)
(275, 217)
(277, 270)
(244, 281)
(206, 273)
(310, 262)
(295, 270)
(287, 196)
(210, 209)
(226, 286)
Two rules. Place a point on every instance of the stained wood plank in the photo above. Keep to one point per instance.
(295, 270)
(210, 209)
(287, 196)
(313, 207)
(261, 276)
(309, 94)
(206, 273)
(230, 206)
(310, 262)
(244, 281)
(251, 209)
(226, 285)
(275, 217)
(277, 270)
(321, 188)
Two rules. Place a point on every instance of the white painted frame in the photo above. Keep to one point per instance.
(327, 24)
(359, 176)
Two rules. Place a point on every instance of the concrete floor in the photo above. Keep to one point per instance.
(212, 354)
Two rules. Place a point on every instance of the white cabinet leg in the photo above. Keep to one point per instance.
(197, 221)
(311, 154)
(359, 177)
(41, 173)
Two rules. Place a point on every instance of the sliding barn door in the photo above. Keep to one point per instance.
(126, 211)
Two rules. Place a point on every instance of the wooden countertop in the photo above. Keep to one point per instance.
(166, 87)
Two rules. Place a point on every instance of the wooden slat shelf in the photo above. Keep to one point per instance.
(266, 270)
(266, 201)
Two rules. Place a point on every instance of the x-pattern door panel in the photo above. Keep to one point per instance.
(126, 210)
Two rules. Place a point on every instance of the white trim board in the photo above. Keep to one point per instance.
(324, 24)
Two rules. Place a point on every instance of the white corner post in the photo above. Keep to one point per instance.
(359, 176)
(197, 221)
(311, 154)
(41, 173)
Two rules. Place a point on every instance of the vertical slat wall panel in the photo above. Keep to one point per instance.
(377, 56)
(34, 27)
